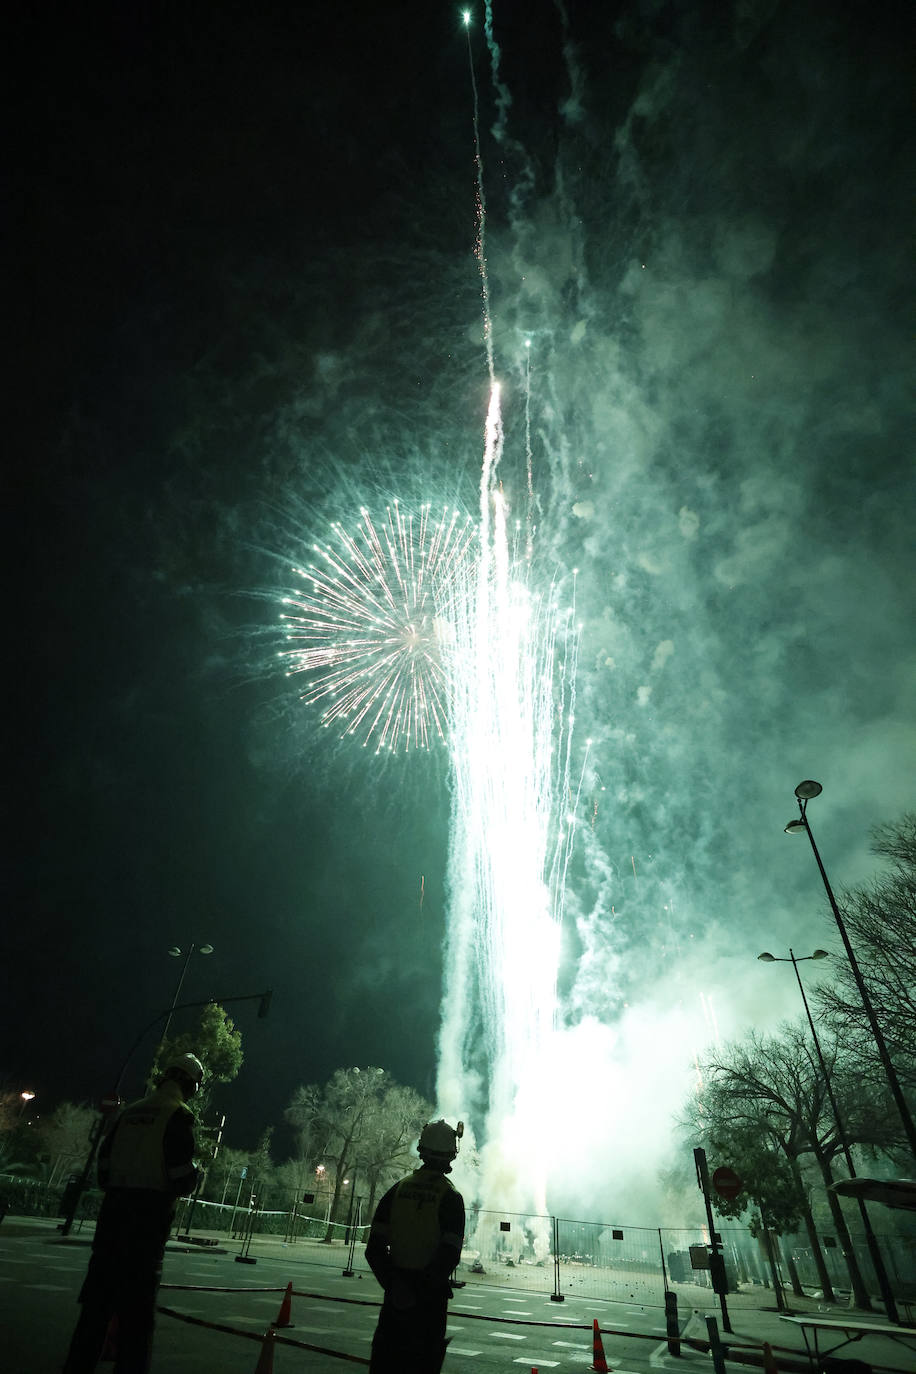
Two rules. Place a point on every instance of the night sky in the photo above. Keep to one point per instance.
(245, 302)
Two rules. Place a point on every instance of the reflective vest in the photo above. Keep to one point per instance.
(415, 1231)
(136, 1157)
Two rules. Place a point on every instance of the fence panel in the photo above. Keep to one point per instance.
(514, 1248)
(544, 1254)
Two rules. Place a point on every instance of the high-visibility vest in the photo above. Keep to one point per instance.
(136, 1157)
(415, 1232)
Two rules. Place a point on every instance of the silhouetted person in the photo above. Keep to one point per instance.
(414, 1244)
(146, 1163)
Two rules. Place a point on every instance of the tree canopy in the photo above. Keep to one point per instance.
(770, 1093)
(217, 1044)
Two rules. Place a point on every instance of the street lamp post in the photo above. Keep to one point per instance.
(176, 953)
(871, 1239)
(263, 998)
(804, 793)
(24, 1097)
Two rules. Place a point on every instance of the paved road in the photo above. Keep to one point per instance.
(491, 1330)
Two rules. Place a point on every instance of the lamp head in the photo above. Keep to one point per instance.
(808, 789)
(821, 954)
(796, 828)
(767, 958)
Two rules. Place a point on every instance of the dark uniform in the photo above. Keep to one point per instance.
(145, 1165)
(414, 1244)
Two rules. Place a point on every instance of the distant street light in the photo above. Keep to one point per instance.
(870, 1237)
(176, 953)
(25, 1096)
(804, 792)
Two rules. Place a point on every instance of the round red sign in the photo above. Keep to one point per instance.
(727, 1183)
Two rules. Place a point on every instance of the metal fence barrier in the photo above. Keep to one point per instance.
(550, 1255)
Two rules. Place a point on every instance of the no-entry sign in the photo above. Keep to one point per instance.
(727, 1183)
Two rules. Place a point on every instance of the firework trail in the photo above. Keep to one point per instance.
(511, 672)
(480, 246)
(511, 666)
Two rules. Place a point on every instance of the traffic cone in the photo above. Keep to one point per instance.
(265, 1364)
(110, 1348)
(769, 1362)
(285, 1308)
(598, 1361)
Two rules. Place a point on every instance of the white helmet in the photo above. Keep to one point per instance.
(187, 1066)
(440, 1140)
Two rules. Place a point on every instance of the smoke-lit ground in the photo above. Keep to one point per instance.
(695, 214)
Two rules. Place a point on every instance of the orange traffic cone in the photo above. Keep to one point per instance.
(285, 1308)
(110, 1348)
(265, 1364)
(769, 1362)
(598, 1361)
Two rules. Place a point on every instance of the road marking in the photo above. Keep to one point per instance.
(48, 1287)
(459, 1350)
(573, 1345)
(505, 1336)
(539, 1362)
(466, 1306)
(515, 1312)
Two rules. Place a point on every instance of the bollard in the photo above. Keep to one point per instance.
(671, 1326)
(716, 1348)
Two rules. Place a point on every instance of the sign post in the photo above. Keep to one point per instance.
(716, 1262)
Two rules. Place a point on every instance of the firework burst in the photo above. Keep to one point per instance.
(367, 627)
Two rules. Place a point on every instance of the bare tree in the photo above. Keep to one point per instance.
(10, 1110)
(777, 1080)
(362, 1123)
(305, 1115)
(880, 918)
(392, 1125)
(760, 1150)
(64, 1137)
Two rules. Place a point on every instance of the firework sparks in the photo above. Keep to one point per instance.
(511, 664)
(366, 626)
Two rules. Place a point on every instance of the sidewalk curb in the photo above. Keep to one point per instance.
(789, 1361)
